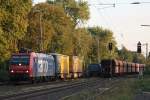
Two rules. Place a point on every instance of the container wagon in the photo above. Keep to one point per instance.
(75, 67)
(61, 65)
(94, 70)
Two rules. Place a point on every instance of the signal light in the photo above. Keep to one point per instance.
(110, 46)
(139, 47)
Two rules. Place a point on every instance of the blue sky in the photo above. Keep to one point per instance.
(124, 20)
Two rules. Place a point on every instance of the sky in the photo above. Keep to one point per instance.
(125, 20)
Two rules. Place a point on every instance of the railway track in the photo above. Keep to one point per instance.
(61, 91)
(25, 87)
(46, 89)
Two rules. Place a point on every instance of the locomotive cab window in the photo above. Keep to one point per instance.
(20, 60)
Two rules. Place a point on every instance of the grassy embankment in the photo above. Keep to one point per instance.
(127, 89)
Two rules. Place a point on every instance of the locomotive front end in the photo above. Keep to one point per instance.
(19, 67)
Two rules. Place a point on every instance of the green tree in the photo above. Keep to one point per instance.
(55, 25)
(82, 42)
(130, 56)
(78, 11)
(125, 54)
(101, 39)
(13, 24)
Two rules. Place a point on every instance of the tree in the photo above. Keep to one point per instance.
(55, 24)
(101, 39)
(13, 24)
(82, 42)
(78, 11)
(130, 56)
(125, 54)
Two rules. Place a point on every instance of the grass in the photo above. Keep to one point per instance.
(144, 84)
(124, 91)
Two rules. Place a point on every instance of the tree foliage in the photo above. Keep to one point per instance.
(13, 24)
(101, 38)
(54, 24)
(78, 11)
(130, 56)
(52, 27)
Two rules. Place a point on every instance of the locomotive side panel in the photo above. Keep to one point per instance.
(43, 65)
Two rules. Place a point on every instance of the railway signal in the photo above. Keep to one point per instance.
(110, 46)
(139, 47)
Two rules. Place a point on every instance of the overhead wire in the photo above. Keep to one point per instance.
(107, 18)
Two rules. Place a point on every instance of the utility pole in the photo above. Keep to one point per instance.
(146, 44)
(98, 50)
(41, 29)
(41, 33)
(110, 48)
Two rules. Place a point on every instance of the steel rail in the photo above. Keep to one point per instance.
(24, 95)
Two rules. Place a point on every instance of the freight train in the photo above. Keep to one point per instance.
(113, 67)
(37, 67)
(43, 67)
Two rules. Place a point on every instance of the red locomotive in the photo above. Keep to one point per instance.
(31, 66)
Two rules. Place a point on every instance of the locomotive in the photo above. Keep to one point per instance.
(35, 67)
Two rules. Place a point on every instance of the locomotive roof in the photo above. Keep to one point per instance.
(57, 54)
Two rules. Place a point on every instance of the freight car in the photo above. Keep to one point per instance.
(117, 67)
(75, 67)
(94, 70)
(61, 65)
(31, 66)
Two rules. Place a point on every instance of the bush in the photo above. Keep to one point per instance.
(4, 76)
(147, 70)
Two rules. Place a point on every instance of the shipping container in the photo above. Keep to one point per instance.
(75, 66)
(62, 65)
(94, 70)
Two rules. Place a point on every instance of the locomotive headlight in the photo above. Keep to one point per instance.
(11, 71)
(27, 71)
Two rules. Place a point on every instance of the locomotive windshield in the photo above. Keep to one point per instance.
(21, 59)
